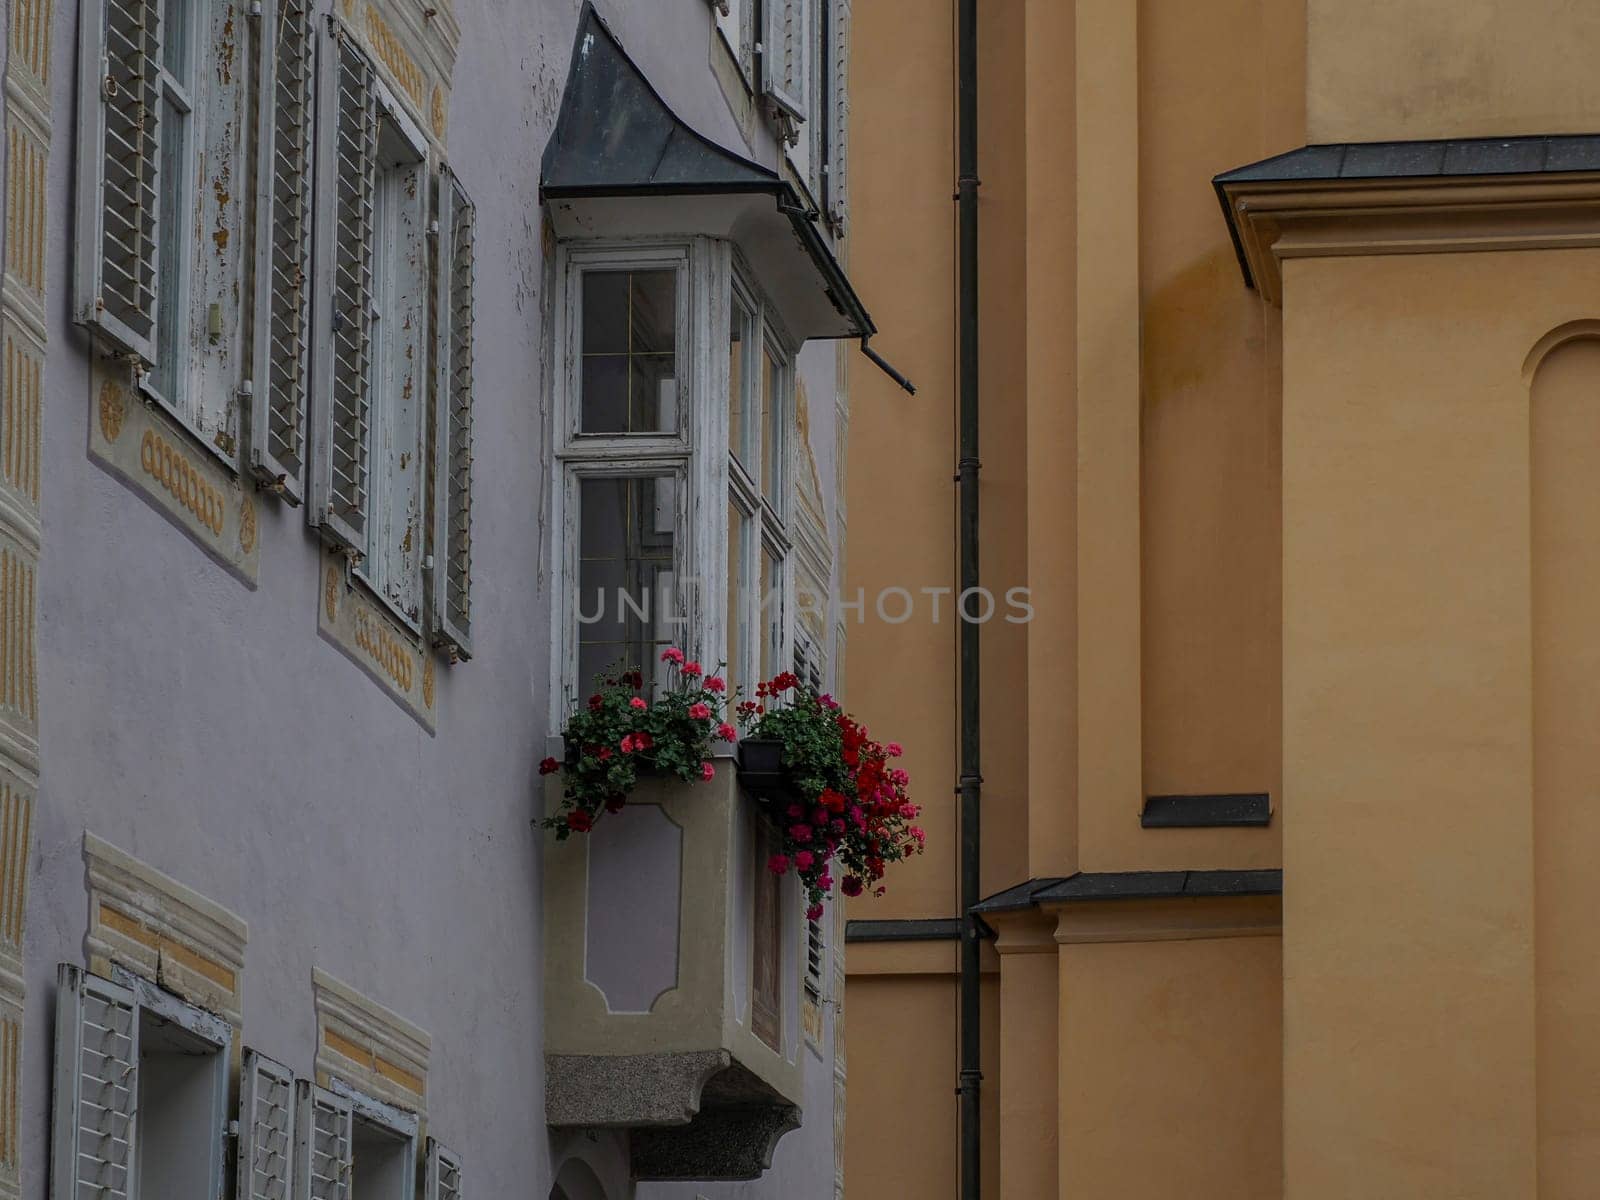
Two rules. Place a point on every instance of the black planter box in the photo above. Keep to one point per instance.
(760, 768)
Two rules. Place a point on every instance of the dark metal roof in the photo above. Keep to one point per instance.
(1206, 812)
(927, 929)
(1444, 158)
(1134, 885)
(615, 137)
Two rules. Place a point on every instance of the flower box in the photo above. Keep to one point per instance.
(761, 772)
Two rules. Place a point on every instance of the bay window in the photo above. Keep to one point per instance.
(671, 489)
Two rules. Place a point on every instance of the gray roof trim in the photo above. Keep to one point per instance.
(1134, 885)
(1445, 158)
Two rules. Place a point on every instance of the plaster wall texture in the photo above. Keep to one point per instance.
(1426, 642)
(203, 725)
(1382, 71)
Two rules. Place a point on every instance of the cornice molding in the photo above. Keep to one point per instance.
(1277, 220)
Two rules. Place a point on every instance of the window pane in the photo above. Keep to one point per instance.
(771, 433)
(771, 614)
(626, 539)
(175, 39)
(167, 378)
(741, 336)
(739, 597)
(629, 339)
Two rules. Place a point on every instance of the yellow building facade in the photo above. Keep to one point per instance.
(1289, 782)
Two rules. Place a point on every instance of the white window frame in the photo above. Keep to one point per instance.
(697, 452)
(391, 576)
(142, 997)
(403, 1126)
(204, 396)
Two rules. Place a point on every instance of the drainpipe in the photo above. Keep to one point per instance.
(971, 781)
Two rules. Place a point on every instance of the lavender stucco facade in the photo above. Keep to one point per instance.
(200, 709)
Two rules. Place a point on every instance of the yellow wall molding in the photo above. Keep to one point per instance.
(394, 656)
(140, 444)
(1277, 221)
(369, 1046)
(164, 931)
(1168, 920)
(415, 43)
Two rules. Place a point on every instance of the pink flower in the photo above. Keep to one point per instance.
(579, 821)
(637, 702)
(851, 885)
(699, 712)
(727, 732)
(827, 701)
(549, 767)
(643, 741)
(814, 913)
(825, 881)
(800, 833)
(707, 772)
(715, 684)
(691, 668)
(627, 743)
(672, 655)
(803, 860)
(778, 864)
(893, 750)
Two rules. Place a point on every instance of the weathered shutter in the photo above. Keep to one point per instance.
(783, 54)
(816, 957)
(346, 165)
(283, 247)
(266, 1129)
(96, 1087)
(119, 105)
(442, 1180)
(324, 1144)
(452, 421)
(839, 112)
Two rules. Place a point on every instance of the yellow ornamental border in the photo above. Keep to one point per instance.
(169, 466)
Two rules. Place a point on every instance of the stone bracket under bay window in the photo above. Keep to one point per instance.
(657, 966)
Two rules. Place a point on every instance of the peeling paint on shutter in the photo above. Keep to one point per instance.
(452, 432)
(283, 248)
(347, 140)
(114, 274)
(96, 1087)
(266, 1129)
(324, 1144)
(443, 1179)
(839, 114)
(783, 54)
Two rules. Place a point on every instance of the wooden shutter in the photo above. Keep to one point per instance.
(96, 1087)
(283, 247)
(816, 959)
(838, 101)
(783, 54)
(266, 1129)
(346, 166)
(324, 1144)
(452, 417)
(442, 1180)
(119, 105)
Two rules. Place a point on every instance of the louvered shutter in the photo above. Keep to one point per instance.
(452, 420)
(324, 1144)
(346, 165)
(266, 1129)
(839, 113)
(783, 54)
(119, 105)
(442, 1180)
(96, 1087)
(283, 247)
